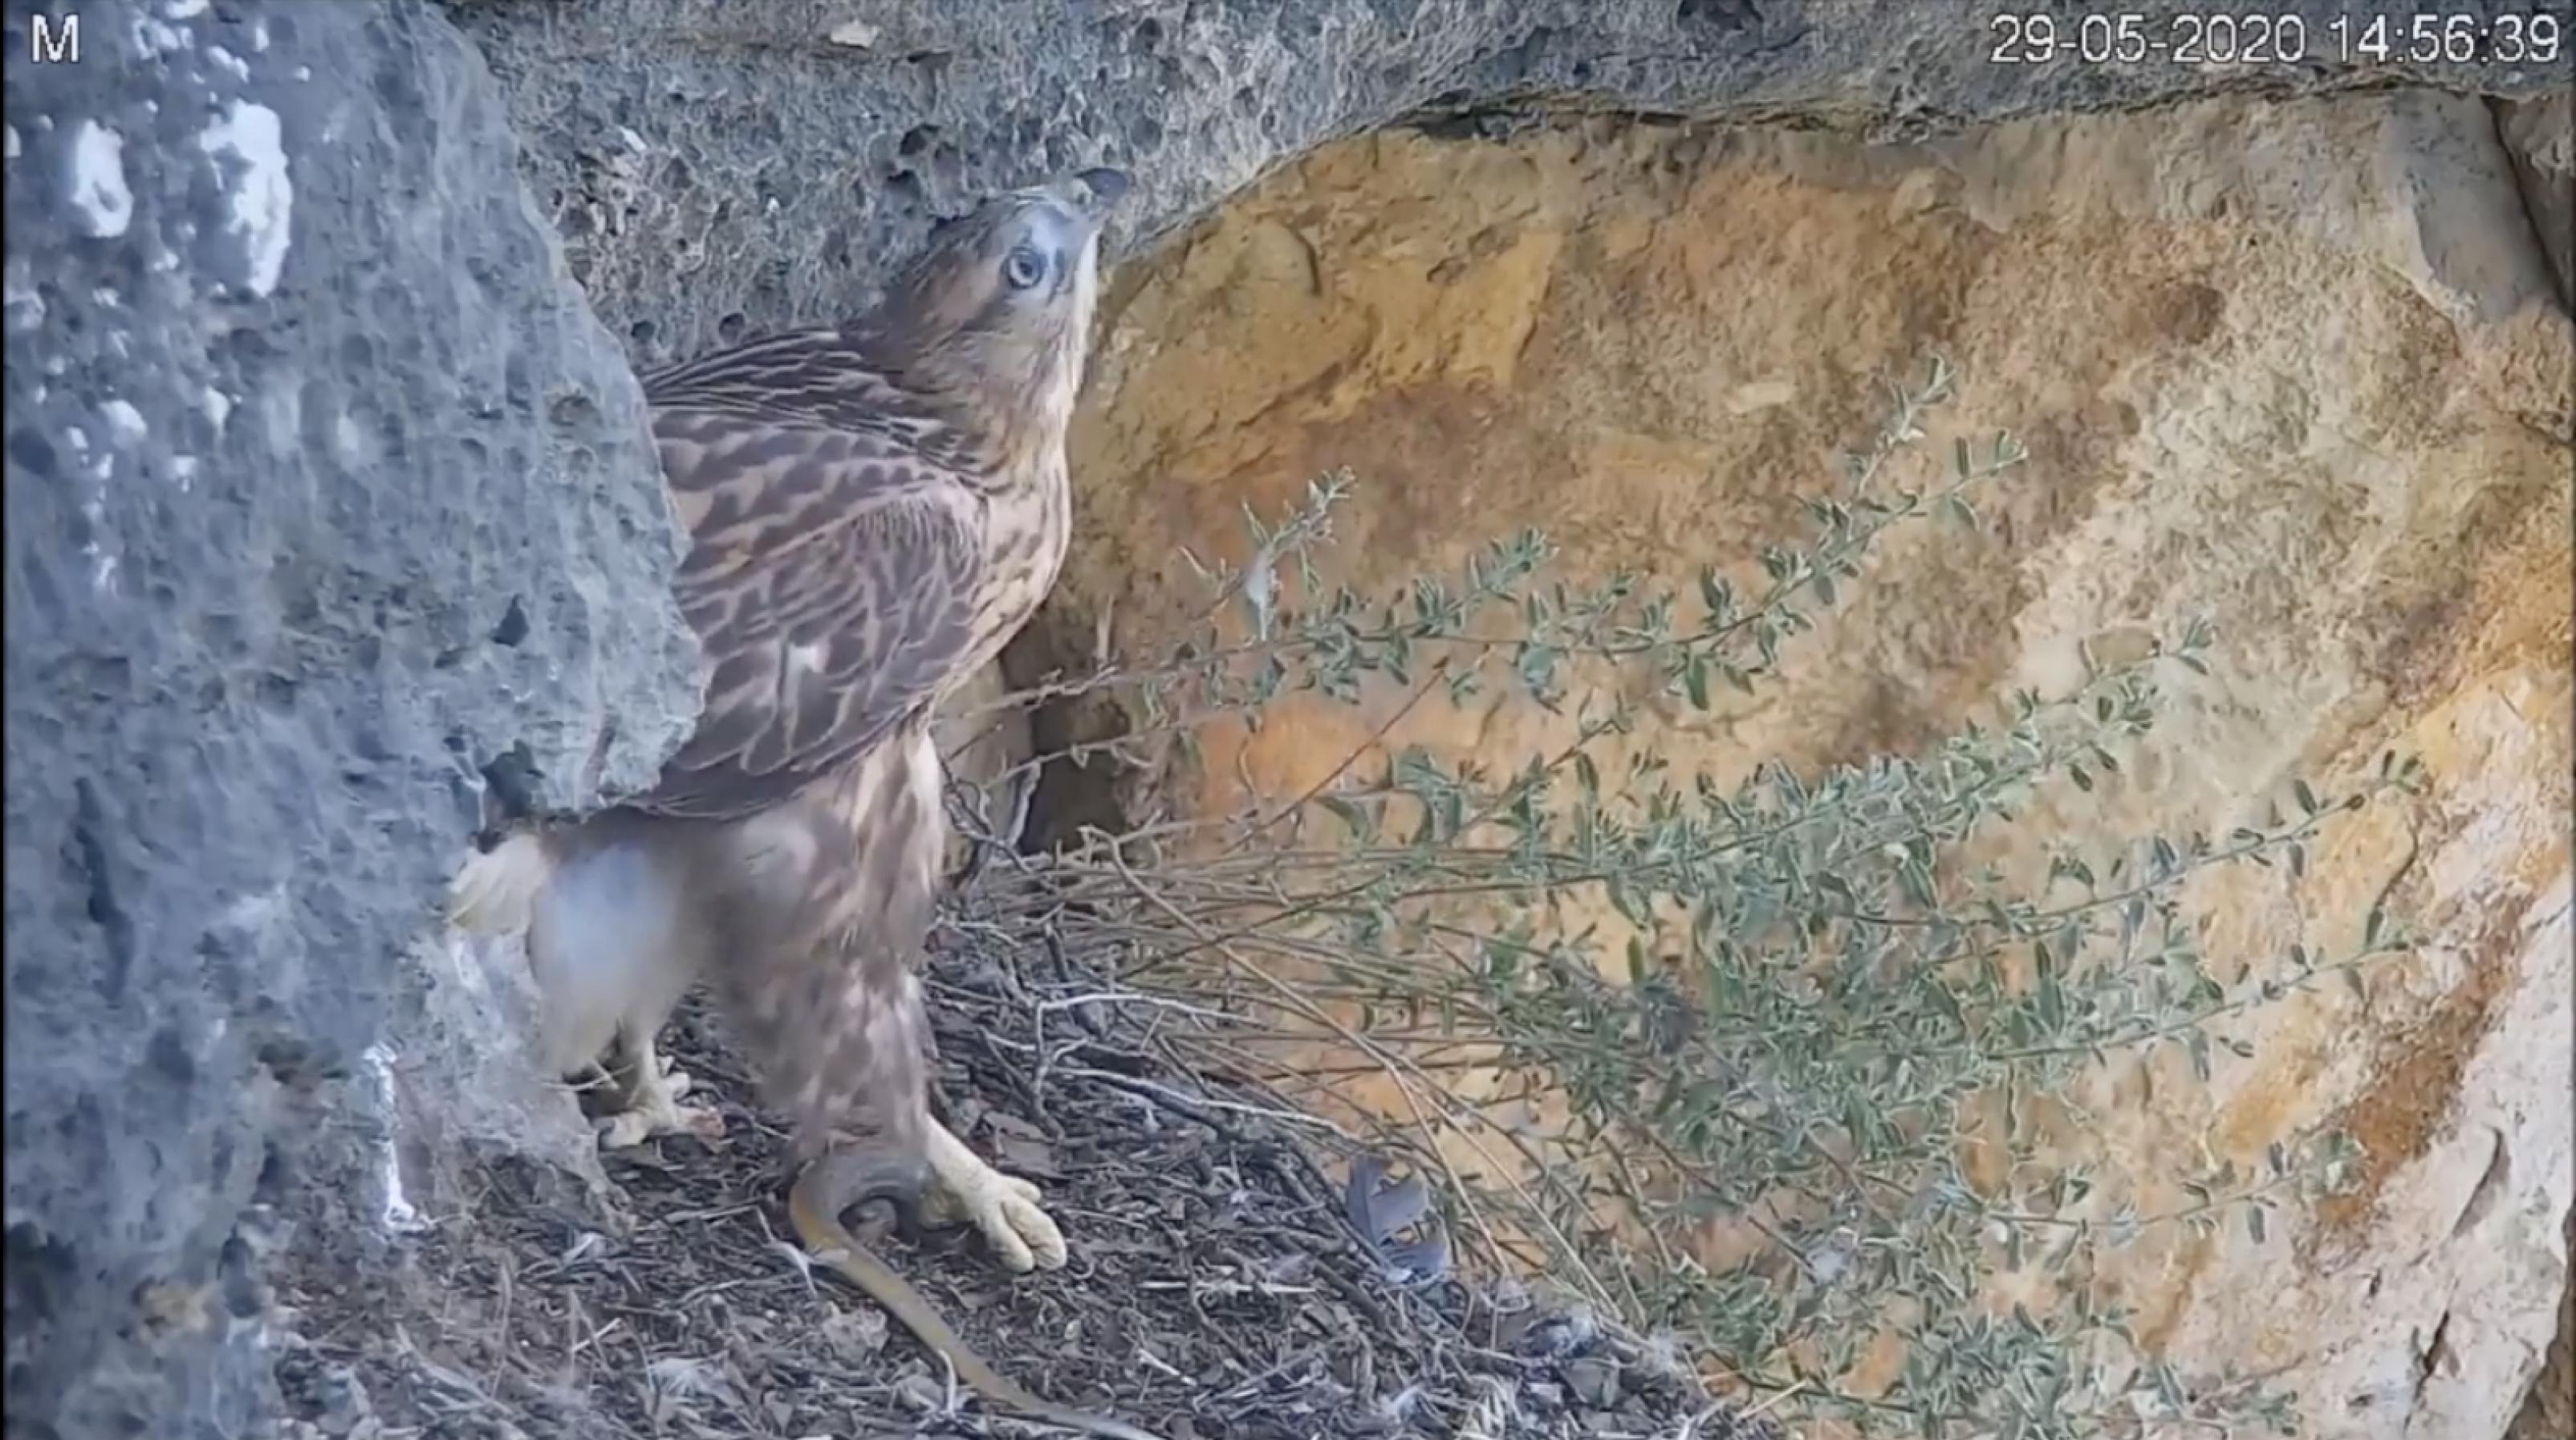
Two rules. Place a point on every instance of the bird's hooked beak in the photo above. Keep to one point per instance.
(1092, 194)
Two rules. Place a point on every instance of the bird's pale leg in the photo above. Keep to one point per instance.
(1005, 1207)
(647, 1097)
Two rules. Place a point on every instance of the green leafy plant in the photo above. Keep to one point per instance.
(1793, 1007)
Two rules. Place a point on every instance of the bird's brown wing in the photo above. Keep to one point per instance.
(832, 574)
(831, 378)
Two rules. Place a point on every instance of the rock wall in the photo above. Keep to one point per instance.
(2302, 368)
(2540, 134)
(325, 493)
(717, 166)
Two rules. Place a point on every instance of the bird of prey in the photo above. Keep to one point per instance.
(873, 510)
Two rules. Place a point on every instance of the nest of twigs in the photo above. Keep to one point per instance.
(1222, 1284)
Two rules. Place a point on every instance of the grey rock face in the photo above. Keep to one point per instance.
(323, 490)
(717, 166)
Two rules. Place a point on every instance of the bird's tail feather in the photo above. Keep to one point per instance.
(495, 891)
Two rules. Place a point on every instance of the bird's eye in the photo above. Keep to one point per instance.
(1024, 267)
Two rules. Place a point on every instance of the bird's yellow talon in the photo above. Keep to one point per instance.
(1004, 1207)
(656, 1111)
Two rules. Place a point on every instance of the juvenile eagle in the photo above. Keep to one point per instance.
(873, 510)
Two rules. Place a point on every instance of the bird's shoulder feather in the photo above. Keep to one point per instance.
(834, 570)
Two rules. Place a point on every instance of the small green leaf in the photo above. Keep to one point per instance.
(1714, 594)
(1361, 821)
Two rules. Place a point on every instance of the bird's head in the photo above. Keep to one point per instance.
(999, 305)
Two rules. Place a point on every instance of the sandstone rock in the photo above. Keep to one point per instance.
(719, 169)
(716, 166)
(2540, 134)
(2324, 403)
(324, 491)
(2550, 1410)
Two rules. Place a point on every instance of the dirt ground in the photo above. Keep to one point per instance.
(1219, 1290)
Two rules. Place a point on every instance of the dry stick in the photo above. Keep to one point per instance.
(1291, 946)
(1807, 1140)
(1268, 1065)
(1392, 1068)
(1256, 1063)
(1271, 862)
(1046, 1057)
(1554, 882)
(505, 1274)
(1136, 1086)
(1376, 737)
(1575, 1193)
(1527, 1153)
(1316, 903)
(1295, 947)
(1395, 1068)
(1520, 1247)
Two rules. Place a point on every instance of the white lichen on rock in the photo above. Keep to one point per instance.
(397, 1214)
(262, 203)
(125, 425)
(99, 193)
